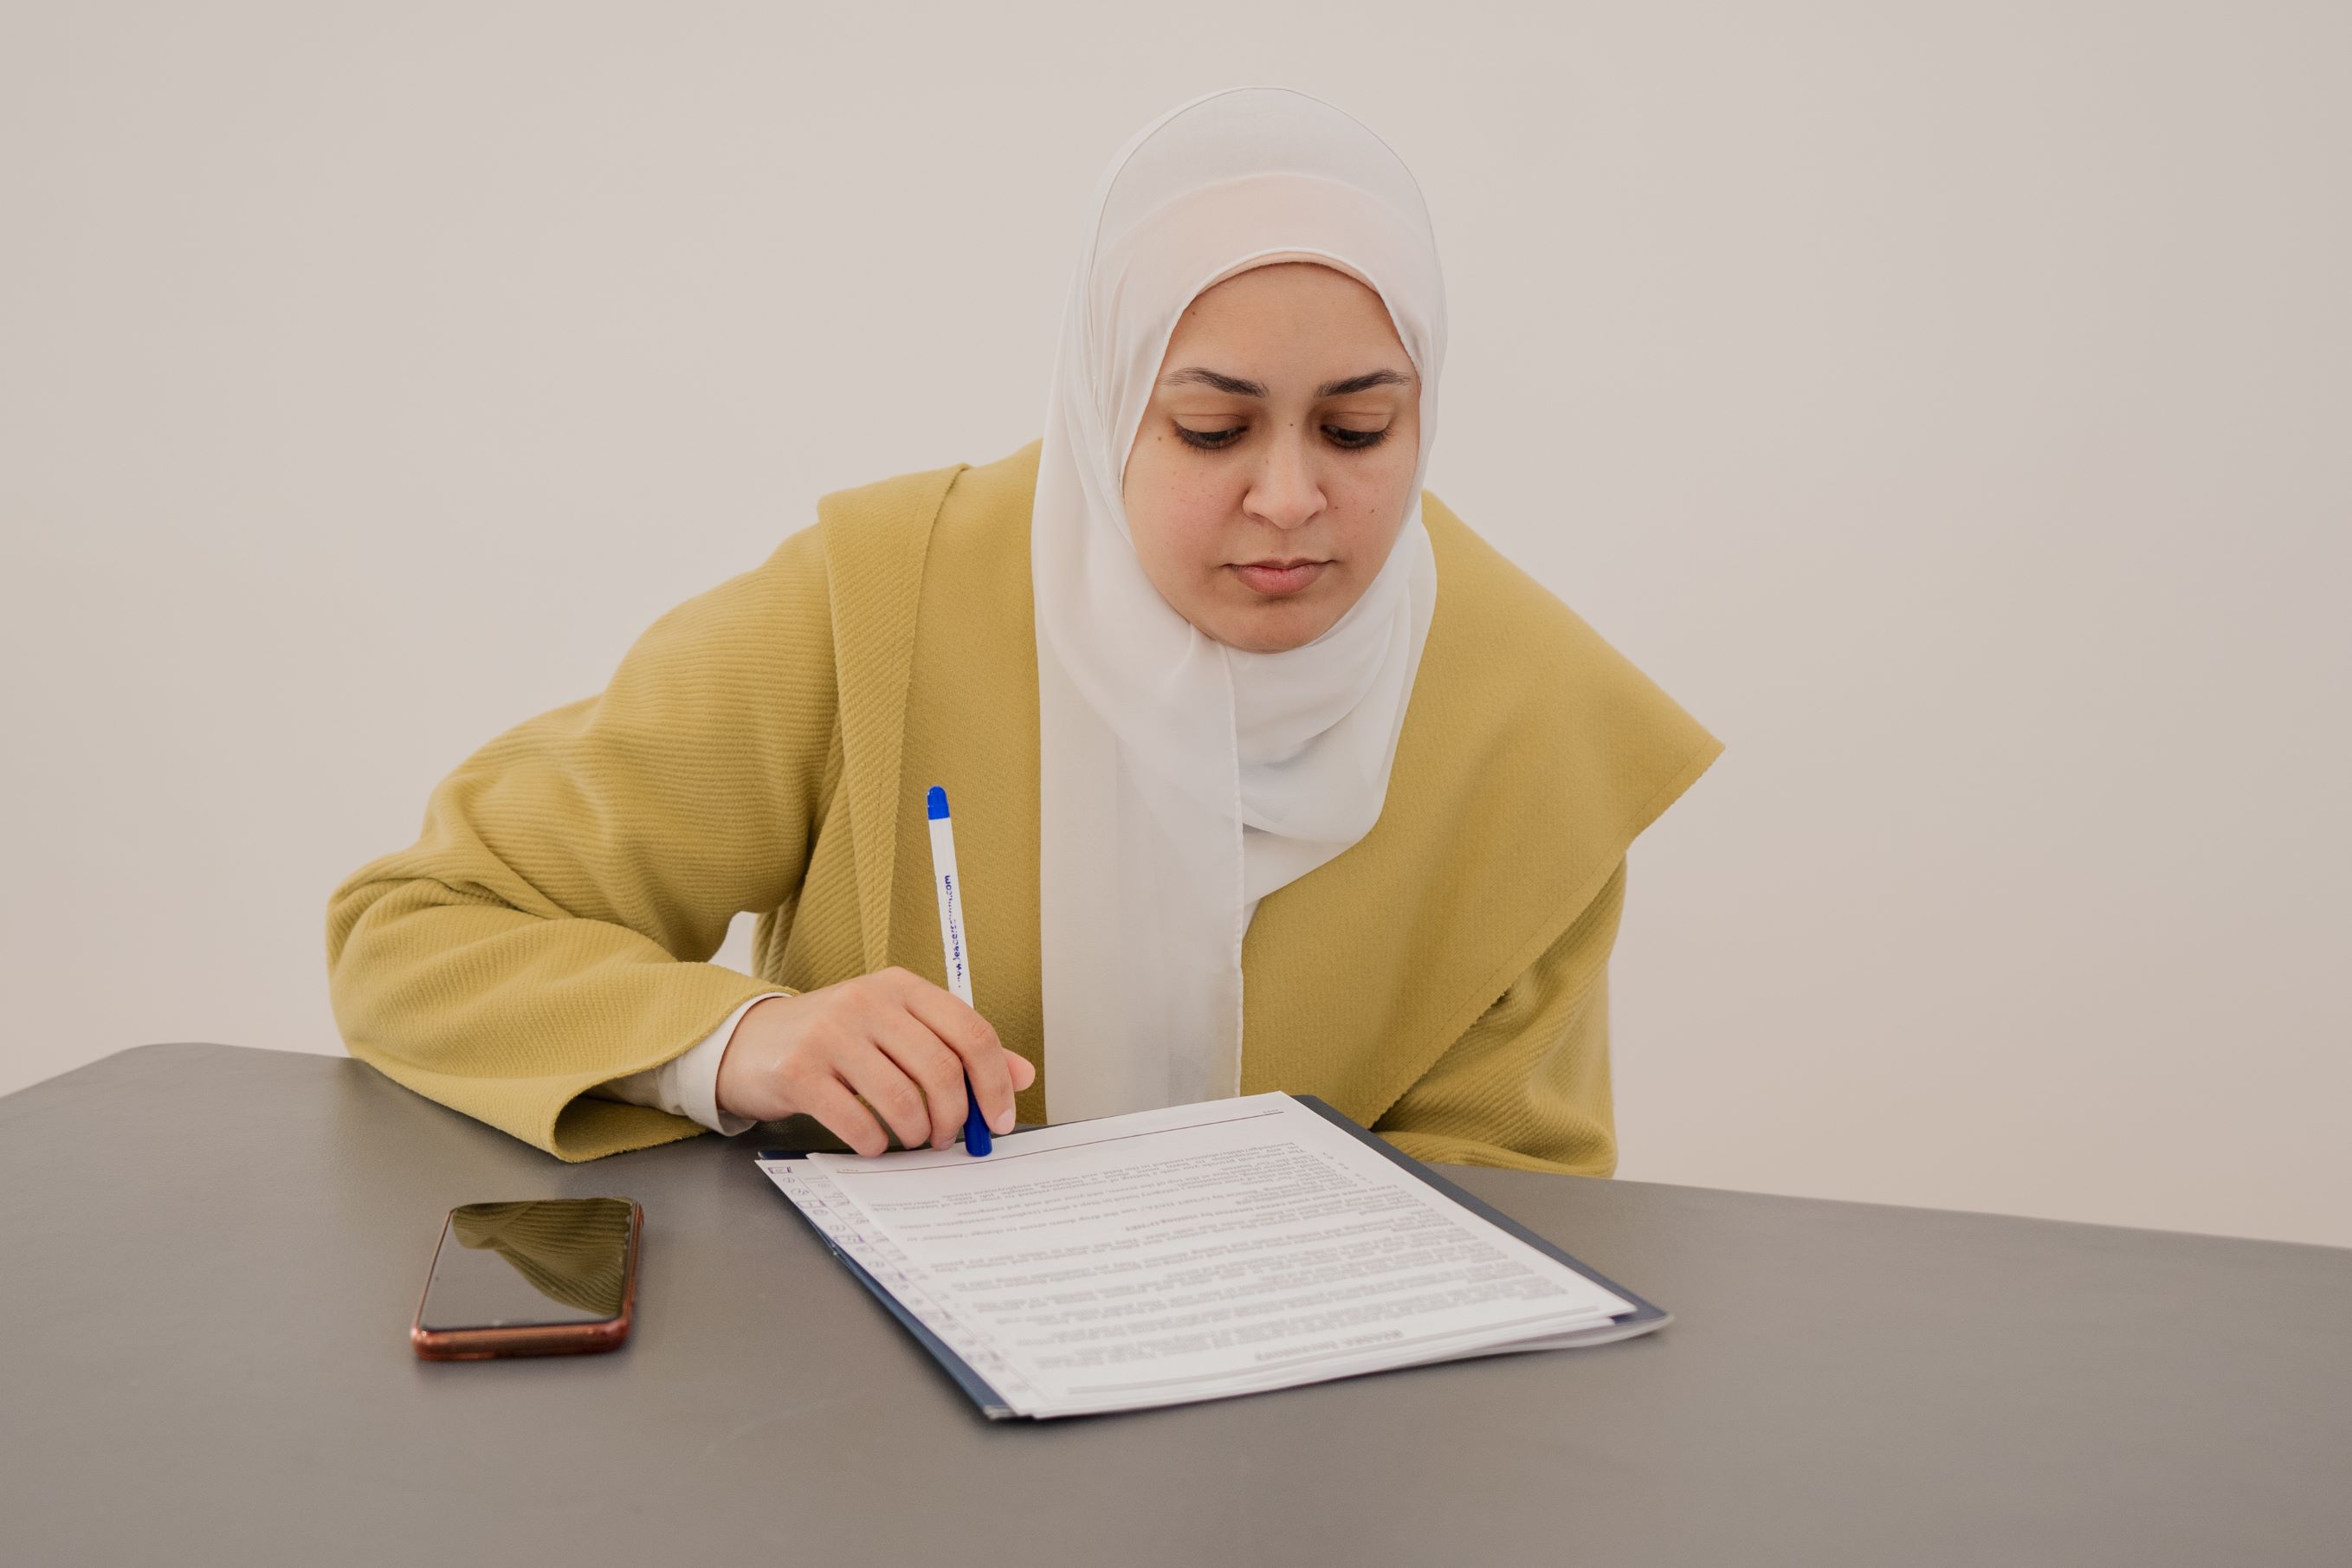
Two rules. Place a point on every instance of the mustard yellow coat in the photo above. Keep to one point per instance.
(766, 745)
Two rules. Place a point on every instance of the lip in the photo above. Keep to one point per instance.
(1275, 580)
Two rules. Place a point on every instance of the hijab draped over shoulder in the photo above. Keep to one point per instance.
(1182, 780)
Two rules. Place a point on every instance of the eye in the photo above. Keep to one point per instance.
(1340, 437)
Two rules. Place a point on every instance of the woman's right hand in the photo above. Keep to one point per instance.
(892, 1036)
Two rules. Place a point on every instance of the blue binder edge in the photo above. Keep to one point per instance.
(993, 1405)
(978, 1388)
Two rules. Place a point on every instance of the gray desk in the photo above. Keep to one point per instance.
(212, 1254)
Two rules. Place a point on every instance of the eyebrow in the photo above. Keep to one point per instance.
(1238, 387)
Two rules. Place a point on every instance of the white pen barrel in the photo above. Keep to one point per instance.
(949, 885)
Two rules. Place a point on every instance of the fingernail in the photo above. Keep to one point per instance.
(1001, 1123)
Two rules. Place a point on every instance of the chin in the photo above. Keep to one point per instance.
(1275, 632)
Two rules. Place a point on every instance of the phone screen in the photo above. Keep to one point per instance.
(521, 1265)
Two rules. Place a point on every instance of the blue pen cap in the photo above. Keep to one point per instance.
(935, 804)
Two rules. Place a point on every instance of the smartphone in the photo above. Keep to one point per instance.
(550, 1276)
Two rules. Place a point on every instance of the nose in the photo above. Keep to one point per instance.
(1285, 491)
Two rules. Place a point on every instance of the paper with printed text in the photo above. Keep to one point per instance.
(1188, 1253)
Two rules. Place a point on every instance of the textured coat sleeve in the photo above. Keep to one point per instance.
(1527, 1086)
(550, 928)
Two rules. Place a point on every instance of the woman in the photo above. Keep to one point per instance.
(1267, 773)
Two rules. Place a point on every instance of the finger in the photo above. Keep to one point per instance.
(885, 1087)
(831, 1103)
(1023, 1070)
(936, 1070)
(971, 1038)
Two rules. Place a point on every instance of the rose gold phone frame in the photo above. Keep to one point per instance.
(538, 1339)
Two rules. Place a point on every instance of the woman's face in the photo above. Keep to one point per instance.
(1271, 473)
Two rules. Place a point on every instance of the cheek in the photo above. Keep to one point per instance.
(1371, 502)
(1193, 549)
(1177, 512)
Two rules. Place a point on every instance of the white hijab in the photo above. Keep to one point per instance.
(1182, 780)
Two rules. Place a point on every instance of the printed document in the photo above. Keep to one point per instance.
(1189, 1253)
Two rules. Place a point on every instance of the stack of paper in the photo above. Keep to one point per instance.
(1193, 1253)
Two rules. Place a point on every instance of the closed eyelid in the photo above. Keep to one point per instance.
(1227, 437)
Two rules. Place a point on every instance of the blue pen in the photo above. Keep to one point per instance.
(951, 942)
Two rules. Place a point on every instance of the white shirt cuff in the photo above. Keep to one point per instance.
(688, 1085)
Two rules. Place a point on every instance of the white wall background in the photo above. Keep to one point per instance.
(1947, 402)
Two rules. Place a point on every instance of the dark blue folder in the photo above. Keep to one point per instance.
(1643, 1316)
